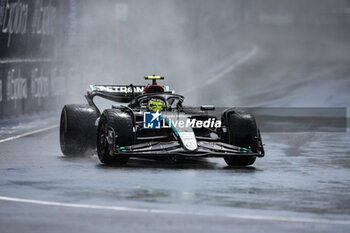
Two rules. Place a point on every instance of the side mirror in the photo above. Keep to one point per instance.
(207, 107)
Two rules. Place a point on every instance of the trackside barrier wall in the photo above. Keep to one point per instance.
(32, 76)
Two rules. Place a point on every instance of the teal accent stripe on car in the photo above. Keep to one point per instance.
(167, 121)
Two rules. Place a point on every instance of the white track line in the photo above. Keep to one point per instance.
(27, 134)
(155, 211)
(234, 65)
(253, 52)
(24, 60)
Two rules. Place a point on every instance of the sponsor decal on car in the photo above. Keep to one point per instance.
(119, 89)
(189, 140)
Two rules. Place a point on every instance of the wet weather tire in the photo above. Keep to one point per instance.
(120, 124)
(241, 131)
(77, 129)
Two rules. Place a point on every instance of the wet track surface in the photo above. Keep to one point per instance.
(304, 177)
(302, 185)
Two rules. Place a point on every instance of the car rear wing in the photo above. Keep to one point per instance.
(118, 93)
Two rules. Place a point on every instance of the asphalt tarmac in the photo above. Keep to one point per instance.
(301, 185)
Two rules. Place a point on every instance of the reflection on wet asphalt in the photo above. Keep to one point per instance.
(301, 175)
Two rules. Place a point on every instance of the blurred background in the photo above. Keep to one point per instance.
(224, 52)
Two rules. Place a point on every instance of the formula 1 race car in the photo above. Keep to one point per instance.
(152, 122)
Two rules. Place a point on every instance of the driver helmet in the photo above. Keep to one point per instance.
(156, 105)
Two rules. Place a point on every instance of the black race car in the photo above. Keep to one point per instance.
(152, 122)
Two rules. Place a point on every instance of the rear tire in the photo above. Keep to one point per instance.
(77, 129)
(241, 131)
(120, 123)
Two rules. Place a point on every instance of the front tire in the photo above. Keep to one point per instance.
(119, 124)
(241, 131)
